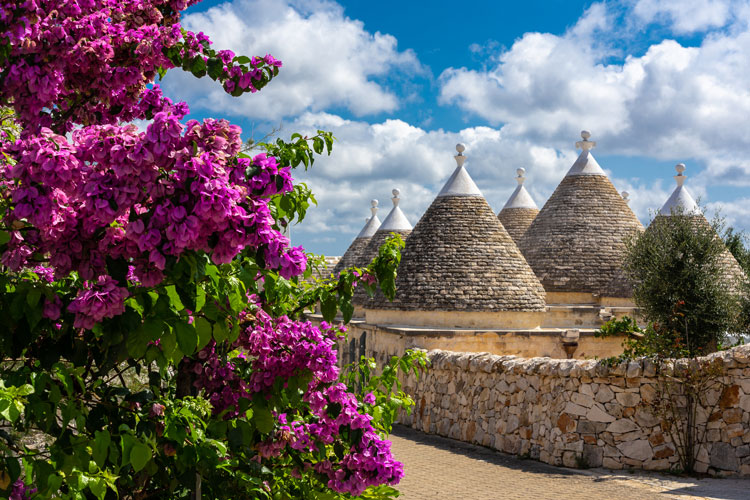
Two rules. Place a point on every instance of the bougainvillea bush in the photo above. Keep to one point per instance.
(152, 344)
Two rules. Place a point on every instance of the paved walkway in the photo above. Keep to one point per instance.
(442, 469)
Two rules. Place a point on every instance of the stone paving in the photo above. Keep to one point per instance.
(443, 469)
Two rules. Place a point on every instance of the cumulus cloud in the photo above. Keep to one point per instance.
(329, 59)
(669, 102)
(686, 16)
(369, 160)
(672, 102)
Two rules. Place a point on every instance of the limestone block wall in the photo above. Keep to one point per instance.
(382, 341)
(578, 413)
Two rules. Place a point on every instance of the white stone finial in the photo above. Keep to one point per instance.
(460, 158)
(396, 192)
(374, 207)
(520, 177)
(585, 144)
(680, 177)
(626, 196)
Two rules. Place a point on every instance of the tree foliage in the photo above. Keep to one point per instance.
(682, 285)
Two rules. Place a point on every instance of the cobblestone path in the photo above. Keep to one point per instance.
(442, 469)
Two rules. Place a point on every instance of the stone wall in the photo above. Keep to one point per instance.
(384, 341)
(578, 413)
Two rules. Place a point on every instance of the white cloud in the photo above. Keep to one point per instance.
(736, 213)
(672, 102)
(329, 60)
(369, 160)
(685, 16)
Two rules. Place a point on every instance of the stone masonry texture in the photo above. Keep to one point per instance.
(460, 258)
(575, 243)
(580, 413)
(517, 220)
(352, 256)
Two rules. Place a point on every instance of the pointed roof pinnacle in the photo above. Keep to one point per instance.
(626, 196)
(680, 177)
(372, 223)
(680, 202)
(396, 220)
(520, 175)
(586, 163)
(460, 182)
(585, 144)
(520, 197)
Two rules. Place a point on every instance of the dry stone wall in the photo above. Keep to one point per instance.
(579, 413)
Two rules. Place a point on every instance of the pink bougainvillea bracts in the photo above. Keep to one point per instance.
(149, 246)
(278, 349)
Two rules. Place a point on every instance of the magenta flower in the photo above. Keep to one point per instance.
(102, 300)
(51, 308)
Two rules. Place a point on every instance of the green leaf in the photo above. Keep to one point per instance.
(4, 237)
(318, 145)
(198, 67)
(236, 301)
(214, 67)
(187, 338)
(32, 298)
(262, 417)
(174, 298)
(200, 298)
(242, 60)
(140, 454)
(347, 308)
(25, 390)
(328, 306)
(325, 495)
(101, 447)
(168, 342)
(137, 341)
(204, 329)
(221, 333)
(98, 487)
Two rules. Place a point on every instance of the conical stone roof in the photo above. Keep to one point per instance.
(460, 258)
(352, 255)
(395, 222)
(576, 242)
(682, 204)
(519, 211)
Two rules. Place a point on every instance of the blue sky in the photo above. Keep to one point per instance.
(657, 82)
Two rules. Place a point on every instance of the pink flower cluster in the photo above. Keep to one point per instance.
(278, 349)
(90, 61)
(95, 302)
(109, 191)
(114, 192)
(20, 491)
(368, 462)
